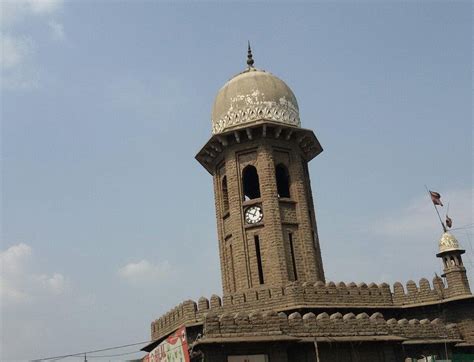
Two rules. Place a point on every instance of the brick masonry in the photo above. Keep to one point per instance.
(311, 296)
(293, 299)
(324, 325)
(282, 216)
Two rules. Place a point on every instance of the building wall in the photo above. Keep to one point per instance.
(344, 352)
(328, 352)
(282, 216)
(276, 352)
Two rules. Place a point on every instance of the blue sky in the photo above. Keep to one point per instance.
(107, 219)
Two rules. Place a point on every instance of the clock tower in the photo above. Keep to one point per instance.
(258, 156)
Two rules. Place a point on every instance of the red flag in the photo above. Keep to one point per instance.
(436, 198)
(449, 222)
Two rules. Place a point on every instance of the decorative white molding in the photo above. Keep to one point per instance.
(269, 110)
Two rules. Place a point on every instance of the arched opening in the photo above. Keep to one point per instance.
(251, 184)
(283, 180)
(225, 194)
(453, 262)
(457, 260)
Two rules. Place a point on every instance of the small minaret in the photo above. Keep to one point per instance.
(453, 268)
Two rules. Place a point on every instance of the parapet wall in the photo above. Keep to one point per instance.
(309, 325)
(296, 295)
(420, 293)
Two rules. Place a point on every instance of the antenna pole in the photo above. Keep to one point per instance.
(437, 212)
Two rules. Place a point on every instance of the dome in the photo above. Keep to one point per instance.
(252, 96)
(448, 243)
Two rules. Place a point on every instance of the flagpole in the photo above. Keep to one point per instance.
(437, 212)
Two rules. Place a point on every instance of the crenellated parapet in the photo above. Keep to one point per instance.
(314, 294)
(306, 295)
(421, 293)
(184, 313)
(323, 325)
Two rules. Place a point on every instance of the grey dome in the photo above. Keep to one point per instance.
(251, 96)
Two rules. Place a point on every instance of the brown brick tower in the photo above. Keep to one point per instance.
(258, 156)
(453, 268)
(276, 306)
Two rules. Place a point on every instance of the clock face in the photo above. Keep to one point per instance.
(253, 214)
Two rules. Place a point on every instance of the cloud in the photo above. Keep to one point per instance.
(43, 6)
(417, 230)
(15, 50)
(14, 258)
(57, 30)
(19, 284)
(56, 283)
(14, 11)
(144, 272)
(37, 307)
(19, 70)
(419, 216)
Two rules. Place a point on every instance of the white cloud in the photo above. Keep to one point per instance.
(19, 71)
(19, 284)
(56, 283)
(44, 6)
(57, 30)
(13, 11)
(417, 230)
(144, 271)
(14, 258)
(15, 50)
(419, 216)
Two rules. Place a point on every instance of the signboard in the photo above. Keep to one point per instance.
(248, 358)
(172, 349)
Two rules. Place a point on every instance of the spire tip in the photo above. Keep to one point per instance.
(249, 56)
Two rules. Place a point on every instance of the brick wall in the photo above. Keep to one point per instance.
(306, 295)
(281, 216)
(244, 324)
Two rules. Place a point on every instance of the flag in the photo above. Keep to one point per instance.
(449, 222)
(436, 198)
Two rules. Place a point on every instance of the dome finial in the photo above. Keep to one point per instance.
(249, 56)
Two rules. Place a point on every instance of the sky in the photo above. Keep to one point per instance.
(108, 220)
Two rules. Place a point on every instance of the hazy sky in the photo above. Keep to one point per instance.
(108, 221)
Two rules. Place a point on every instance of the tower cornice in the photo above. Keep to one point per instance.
(210, 154)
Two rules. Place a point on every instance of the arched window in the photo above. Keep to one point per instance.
(283, 180)
(456, 260)
(453, 263)
(250, 182)
(225, 194)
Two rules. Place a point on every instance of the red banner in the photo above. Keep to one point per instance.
(172, 349)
